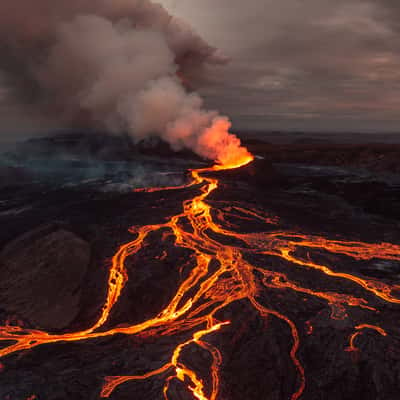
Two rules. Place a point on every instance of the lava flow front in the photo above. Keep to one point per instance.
(224, 273)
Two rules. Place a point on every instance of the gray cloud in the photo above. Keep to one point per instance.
(311, 64)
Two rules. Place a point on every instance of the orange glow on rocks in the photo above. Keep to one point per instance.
(206, 291)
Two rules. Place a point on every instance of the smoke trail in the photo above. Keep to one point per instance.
(111, 64)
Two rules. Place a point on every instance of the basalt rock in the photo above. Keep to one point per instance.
(13, 176)
(41, 276)
(260, 172)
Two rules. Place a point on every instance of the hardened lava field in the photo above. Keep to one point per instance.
(220, 295)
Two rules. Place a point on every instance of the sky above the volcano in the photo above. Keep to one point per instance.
(318, 65)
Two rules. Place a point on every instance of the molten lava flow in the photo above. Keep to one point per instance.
(358, 332)
(221, 276)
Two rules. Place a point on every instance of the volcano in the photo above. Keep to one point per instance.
(237, 284)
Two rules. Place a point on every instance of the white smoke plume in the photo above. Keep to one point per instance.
(114, 64)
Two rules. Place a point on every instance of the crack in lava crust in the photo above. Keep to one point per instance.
(208, 290)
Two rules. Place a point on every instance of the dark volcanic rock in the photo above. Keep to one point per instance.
(374, 157)
(256, 351)
(260, 173)
(12, 176)
(41, 276)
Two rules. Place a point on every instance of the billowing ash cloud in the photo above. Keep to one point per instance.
(114, 64)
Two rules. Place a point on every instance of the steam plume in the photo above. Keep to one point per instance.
(113, 64)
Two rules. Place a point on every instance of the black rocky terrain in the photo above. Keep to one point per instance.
(57, 239)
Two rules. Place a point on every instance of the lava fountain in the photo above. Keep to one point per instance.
(208, 290)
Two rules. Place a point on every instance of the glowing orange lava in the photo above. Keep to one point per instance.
(358, 332)
(206, 291)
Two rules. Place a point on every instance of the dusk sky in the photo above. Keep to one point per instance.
(309, 64)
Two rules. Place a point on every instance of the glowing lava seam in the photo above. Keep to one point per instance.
(206, 291)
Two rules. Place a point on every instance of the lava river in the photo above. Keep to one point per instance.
(221, 276)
